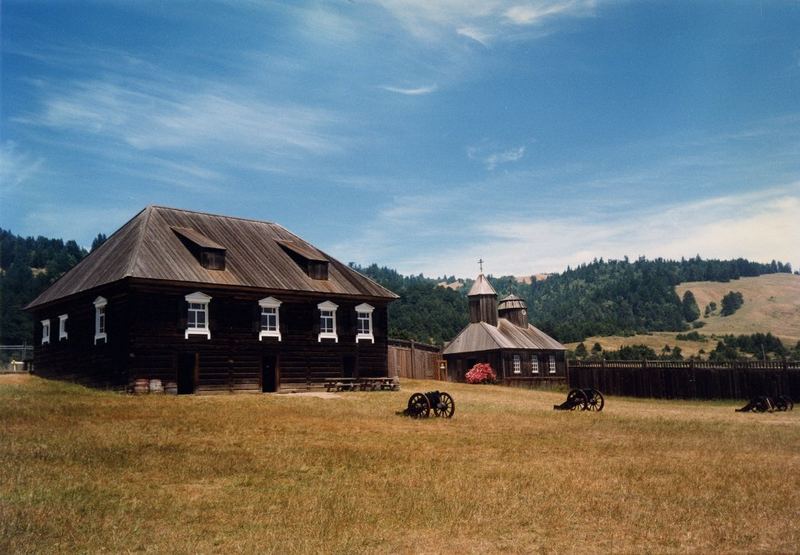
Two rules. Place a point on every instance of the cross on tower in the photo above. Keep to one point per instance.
(481, 264)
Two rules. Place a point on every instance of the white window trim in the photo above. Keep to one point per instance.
(99, 303)
(62, 327)
(516, 364)
(327, 305)
(364, 308)
(46, 328)
(534, 364)
(270, 302)
(552, 362)
(198, 298)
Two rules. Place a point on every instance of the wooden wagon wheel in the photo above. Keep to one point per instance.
(596, 402)
(446, 406)
(418, 406)
(763, 404)
(783, 403)
(577, 399)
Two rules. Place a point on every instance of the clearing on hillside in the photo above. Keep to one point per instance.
(90, 471)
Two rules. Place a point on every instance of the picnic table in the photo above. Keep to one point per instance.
(363, 384)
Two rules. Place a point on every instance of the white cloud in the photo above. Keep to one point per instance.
(148, 116)
(493, 159)
(16, 167)
(533, 13)
(475, 34)
(760, 226)
(478, 19)
(411, 92)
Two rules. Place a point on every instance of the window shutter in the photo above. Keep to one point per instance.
(255, 317)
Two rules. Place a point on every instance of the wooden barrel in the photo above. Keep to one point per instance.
(171, 388)
(156, 387)
(141, 385)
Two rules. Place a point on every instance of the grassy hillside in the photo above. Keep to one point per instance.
(771, 303)
(88, 471)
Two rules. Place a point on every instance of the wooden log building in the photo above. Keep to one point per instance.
(211, 304)
(500, 334)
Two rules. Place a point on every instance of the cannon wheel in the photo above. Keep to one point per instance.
(596, 402)
(762, 404)
(446, 406)
(577, 399)
(418, 406)
(783, 403)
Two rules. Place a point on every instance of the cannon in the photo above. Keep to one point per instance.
(420, 405)
(768, 404)
(582, 399)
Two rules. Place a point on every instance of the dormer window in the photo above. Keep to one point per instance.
(62, 327)
(327, 321)
(364, 323)
(100, 320)
(45, 332)
(197, 317)
(209, 253)
(309, 259)
(270, 318)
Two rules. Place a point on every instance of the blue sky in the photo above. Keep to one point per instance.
(414, 134)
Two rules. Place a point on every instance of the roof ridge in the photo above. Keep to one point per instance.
(160, 207)
(139, 240)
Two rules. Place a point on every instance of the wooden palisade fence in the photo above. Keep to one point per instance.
(688, 379)
(419, 361)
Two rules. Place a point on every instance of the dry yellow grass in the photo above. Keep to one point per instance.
(656, 341)
(88, 471)
(771, 304)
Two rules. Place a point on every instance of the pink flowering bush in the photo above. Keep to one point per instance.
(481, 373)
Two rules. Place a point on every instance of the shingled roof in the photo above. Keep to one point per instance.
(481, 336)
(149, 247)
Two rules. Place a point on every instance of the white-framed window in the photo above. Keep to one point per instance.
(197, 317)
(270, 324)
(364, 323)
(100, 320)
(45, 332)
(327, 321)
(62, 326)
(534, 364)
(552, 364)
(516, 362)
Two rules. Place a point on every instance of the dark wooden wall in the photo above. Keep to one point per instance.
(688, 380)
(77, 358)
(501, 361)
(232, 359)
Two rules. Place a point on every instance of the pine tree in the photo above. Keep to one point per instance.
(691, 311)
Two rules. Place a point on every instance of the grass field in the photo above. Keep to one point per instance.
(89, 471)
(771, 304)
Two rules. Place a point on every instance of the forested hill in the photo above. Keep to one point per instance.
(614, 297)
(27, 267)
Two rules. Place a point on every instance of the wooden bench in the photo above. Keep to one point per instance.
(342, 384)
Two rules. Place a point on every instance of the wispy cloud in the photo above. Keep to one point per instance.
(16, 167)
(147, 116)
(760, 226)
(479, 19)
(412, 91)
(475, 34)
(493, 159)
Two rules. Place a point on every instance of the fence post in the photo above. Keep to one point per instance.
(413, 351)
